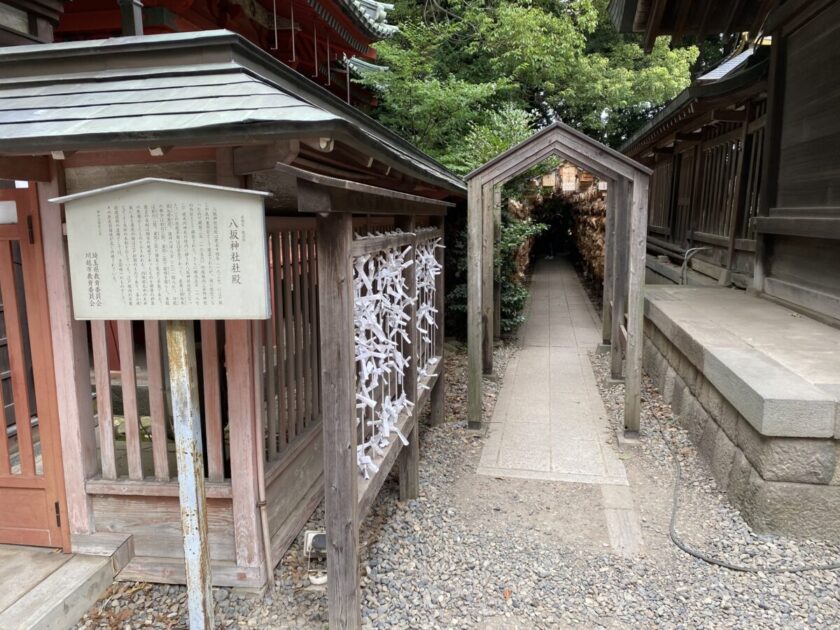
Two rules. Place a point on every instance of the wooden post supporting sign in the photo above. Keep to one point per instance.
(186, 416)
(176, 251)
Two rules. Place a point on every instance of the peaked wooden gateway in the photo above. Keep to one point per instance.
(624, 276)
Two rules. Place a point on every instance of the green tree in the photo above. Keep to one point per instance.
(458, 65)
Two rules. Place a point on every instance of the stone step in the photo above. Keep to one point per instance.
(60, 600)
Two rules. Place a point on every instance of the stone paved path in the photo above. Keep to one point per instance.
(549, 421)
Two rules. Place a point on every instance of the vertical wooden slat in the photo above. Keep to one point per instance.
(270, 386)
(341, 475)
(240, 364)
(437, 412)
(104, 408)
(314, 362)
(409, 458)
(17, 360)
(280, 340)
(5, 462)
(288, 331)
(307, 327)
(157, 399)
(128, 380)
(635, 304)
(475, 327)
(299, 349)
(210, 367)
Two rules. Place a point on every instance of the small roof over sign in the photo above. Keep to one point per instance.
(157, 180)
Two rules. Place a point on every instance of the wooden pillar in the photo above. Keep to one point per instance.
(620, 272)
(409, 461)
(72, 366)
(437, 413)
(609, 254)
(475, 325)
(739, 196)
(636, 304)
(186, 417)
(245, 445)
(341, 474)
(772, 150)
(487, 275)
(497, 288)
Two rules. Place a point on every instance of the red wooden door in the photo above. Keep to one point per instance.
(32, 510)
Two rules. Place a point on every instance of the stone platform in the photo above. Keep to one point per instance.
(757, 387)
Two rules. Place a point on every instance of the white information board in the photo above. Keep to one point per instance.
(163, 249)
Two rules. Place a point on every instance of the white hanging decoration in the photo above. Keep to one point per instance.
(428, 268)
(381, 317)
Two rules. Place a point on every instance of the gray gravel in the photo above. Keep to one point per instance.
(443, 562)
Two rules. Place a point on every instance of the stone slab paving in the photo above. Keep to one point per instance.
(549, 422)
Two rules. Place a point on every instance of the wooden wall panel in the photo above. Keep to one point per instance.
(155, 523)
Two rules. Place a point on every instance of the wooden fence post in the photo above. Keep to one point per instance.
(409, 459)
(636, 305)
(186, 416)
(609, 256)
(623, 211)
(475, 326)
(437, 414)
(497, 287)
(341, 474)
(487, 275)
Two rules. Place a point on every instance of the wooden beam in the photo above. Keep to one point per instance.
(609, 255)
(475, 326)
(341, 474)
(636, 304)
(620, 274)
(264, 157)
(681, 21)
(735, 9)
(729, 115)
(702, 29)
(322, 193)
(654, 22)
(694, 136)
(72, 365)
(323, 145)
(35, 168)
(487, 233)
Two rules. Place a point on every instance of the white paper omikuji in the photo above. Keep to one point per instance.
(382, 340)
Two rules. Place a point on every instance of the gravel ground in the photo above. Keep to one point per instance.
(479, 552)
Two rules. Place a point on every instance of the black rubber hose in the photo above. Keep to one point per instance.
(675, 538)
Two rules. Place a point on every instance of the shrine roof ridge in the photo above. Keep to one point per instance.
(159, 180)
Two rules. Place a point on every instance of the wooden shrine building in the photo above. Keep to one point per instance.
(354, 239)
(324, 41)
(745, 211)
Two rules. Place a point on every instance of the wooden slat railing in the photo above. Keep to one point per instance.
(136, 397)
(291, 368)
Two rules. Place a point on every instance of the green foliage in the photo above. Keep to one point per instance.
(513, 234)
(465, 74)
(467, 79)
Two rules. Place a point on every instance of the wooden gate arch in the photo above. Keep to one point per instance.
(624, 273)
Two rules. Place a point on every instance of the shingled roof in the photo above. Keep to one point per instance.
(211, 87)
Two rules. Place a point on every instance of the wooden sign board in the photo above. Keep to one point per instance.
(163, 249)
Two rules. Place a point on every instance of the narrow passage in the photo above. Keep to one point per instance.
(549, 422)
